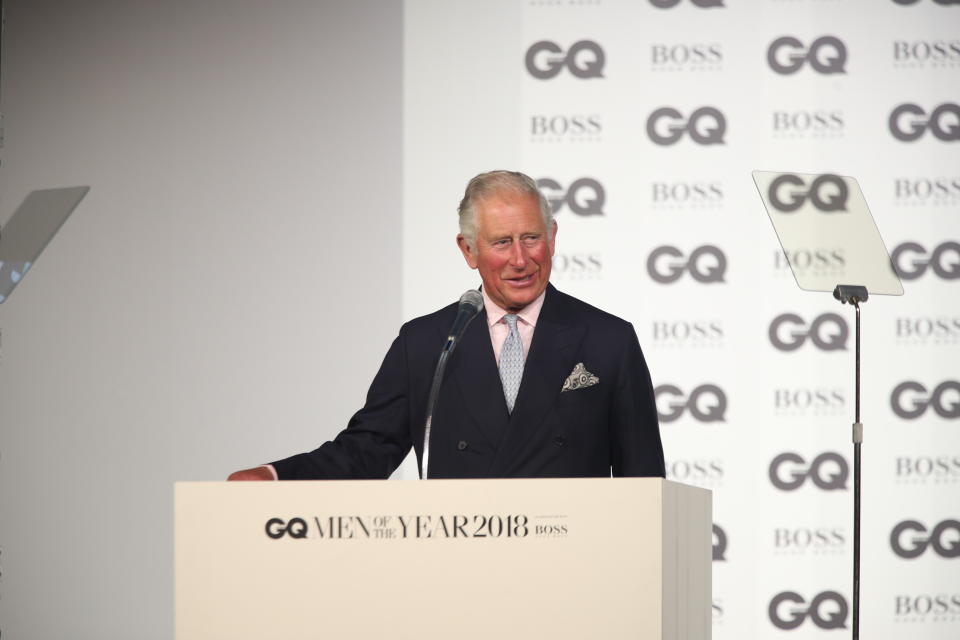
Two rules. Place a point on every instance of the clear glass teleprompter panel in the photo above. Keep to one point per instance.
(826, 231)
(30, 229)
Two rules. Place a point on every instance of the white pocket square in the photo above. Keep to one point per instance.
(579, 378)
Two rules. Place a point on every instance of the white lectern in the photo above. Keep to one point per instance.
(487, 559)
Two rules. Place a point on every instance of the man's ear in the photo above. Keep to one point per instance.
(553, 237)
(469, 254)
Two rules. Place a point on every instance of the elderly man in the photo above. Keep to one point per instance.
(541, 384)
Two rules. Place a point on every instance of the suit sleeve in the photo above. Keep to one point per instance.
(377, 437)
(635, 429)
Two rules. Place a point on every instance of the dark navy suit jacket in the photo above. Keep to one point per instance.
(609, 427)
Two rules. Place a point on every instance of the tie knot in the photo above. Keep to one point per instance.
(511, 320)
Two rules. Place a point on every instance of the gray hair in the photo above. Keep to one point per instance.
(491, 183)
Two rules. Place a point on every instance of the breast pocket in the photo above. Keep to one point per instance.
(582, 396)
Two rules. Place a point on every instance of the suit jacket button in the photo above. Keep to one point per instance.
(462, 445)
(559, 441)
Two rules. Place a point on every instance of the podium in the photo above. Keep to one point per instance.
(533, 558)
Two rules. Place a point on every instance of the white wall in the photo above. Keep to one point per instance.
(221, 298)
(707, 341)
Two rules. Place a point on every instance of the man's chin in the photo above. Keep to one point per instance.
(518, 302)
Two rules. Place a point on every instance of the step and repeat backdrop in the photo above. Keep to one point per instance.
(641, 121)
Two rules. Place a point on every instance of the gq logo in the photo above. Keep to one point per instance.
(545, 59)
(941, 2)
(707, 264)
(831, 198)
(827, 610)
(936, 260)
(713, 411)
(826, 54)
(828, 332)
(917, 400)
(828, 471)
(277, 528)
(703, 4)
(908, 122)
(706, 125)
(719, 544)
(590, 204)
(945, 546)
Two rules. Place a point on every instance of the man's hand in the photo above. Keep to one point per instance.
(257, 473)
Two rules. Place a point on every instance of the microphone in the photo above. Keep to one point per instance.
(470, 304)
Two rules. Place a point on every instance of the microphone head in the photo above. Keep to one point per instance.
(473, 299)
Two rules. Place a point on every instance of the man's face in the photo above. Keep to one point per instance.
(512, 250)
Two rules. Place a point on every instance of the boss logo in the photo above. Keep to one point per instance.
(801, 400)
(826, 54)
(934, 190)
(817, 123)
(566, 126)
(924, 51)
(707, 264)
(703, 4)
(577, 264)
(944, 260)
(684, 54)
(683, 331)
(909, 540)
(585, 197)
(828, 471)
(706, 125)
(719, 544)
(940, 329)
(706, 403)
(803, 538)
(546, 59)
(908, 122)
(827, 610)
(681, 193)
(823, 260)
(827, 332)
(789, 192)
(696, 471)
(909, 399)
(916, 607)
(277, 528)
(926, 467)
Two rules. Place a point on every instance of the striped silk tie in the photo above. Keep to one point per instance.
(511, 362)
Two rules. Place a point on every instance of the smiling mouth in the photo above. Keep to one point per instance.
(522, 281)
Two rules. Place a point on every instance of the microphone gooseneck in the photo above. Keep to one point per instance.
(470, 304)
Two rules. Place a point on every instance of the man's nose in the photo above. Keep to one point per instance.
(518, 256)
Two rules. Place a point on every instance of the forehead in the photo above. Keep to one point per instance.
(509, 212)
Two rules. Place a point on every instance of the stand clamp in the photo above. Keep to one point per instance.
(851, 293)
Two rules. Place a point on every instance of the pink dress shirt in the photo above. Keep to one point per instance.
(527, 322)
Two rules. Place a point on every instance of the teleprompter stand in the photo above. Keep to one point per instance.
(854, 295)
(821, 211)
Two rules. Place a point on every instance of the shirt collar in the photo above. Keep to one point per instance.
(528, 314)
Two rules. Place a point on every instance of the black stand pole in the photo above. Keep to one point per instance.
(854, 295)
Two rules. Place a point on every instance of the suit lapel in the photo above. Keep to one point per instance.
(549, 362)
(473, 368)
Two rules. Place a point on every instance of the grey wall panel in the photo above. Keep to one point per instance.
(221, 298)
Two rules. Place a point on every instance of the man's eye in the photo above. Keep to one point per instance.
(531, 240)
(501, 243)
